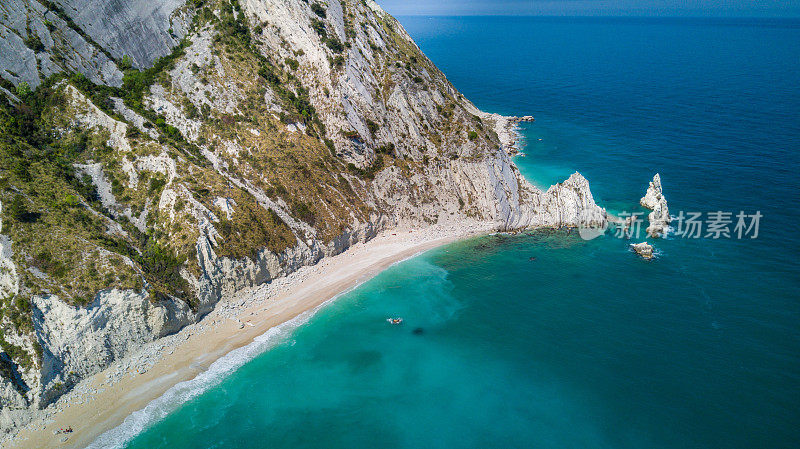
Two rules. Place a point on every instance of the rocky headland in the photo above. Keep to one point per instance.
(159, 158)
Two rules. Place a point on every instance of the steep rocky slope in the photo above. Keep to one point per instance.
(158, 155)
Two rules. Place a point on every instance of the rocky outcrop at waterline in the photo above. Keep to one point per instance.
(521, 118)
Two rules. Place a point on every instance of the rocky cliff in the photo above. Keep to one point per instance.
(654, 200)
(159, 155)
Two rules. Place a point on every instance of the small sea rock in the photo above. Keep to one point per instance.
(643, 249)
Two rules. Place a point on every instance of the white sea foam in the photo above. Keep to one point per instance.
(182, 392)
(669, 230)
(178, 394)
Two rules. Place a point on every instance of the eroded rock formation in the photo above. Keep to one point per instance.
(655, 201)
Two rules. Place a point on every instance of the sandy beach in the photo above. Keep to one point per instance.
(103, 401)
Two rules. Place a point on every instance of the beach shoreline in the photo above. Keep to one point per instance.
(102, 402)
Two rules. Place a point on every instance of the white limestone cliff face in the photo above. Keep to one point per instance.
(467, 177)
(63, 48)
(13, 402)
(369, 86)
(222, 277)
(12, 405)
(80, 341)
(143, 30)
(9, 282)
(654, 200)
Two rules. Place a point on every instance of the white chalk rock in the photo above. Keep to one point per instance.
(654, 200)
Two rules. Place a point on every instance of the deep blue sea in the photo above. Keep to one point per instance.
(546, 340)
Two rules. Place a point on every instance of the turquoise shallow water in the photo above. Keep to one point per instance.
(584, 345)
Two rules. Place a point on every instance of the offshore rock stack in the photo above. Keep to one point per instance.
(654, 200)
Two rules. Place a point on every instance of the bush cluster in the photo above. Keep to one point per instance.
(317, 9)
(369, 172)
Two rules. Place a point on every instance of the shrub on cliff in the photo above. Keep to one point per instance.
(34, 43)
(302, 211)
(319, 26)
(373, 127)
(126, 63)
(18, 210)
(23, 89)
(161, 268)
(318, 10)
(370, 171)
(15, 353)
(387, 149)
(292, 63)
(334, 44)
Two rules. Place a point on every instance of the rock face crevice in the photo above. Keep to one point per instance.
(387, 142)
